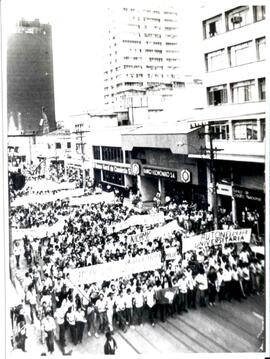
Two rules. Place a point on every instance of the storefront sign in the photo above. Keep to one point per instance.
(224, 189)
(122, 268)
(247, 194)
(113, 168)
(185, 176)
(162, 173)
(215, 238)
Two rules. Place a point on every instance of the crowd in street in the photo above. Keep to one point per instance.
(189, 280)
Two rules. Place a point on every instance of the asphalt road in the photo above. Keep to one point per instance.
(227, 328)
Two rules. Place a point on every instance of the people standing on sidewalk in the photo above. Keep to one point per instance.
(49, 328)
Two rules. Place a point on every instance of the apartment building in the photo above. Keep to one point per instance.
(142, 48)
(234, 54)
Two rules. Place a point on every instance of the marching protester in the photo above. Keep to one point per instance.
(49, 328)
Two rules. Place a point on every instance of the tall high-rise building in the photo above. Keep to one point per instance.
(142, 48)
(30, 85)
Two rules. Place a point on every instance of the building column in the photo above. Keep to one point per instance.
(161, 188)
(234, 208)
(209, 189)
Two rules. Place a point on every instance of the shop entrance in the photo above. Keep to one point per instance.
(148, 187)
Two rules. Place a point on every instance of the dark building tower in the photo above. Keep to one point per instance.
(30, 86)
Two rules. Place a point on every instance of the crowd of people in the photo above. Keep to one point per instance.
(89, 237)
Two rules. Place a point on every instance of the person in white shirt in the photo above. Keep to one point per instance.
(110, 309)
(31, 297)
(49, 328)
(227, 274)
(101, 305)
(17, 251)
(150, 297)
(80, 323)
(139, 301)
(120, 310)
(59, 316)
(220, 284)
(201, 280)
(129, 307)
(183, 288)
(71, 319)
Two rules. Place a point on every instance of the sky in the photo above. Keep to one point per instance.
(78, 38)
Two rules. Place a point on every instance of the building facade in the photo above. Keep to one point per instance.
(30, 84)
(234, 54)
(142, 48)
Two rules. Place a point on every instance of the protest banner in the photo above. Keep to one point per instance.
(215, 238)
(116, 269)
(171, 253)
(138, 220)
(47, 197)
(167, 229)
(136, 238)
(94, 198)
(38, 232)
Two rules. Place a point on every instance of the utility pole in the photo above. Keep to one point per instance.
(213, 177)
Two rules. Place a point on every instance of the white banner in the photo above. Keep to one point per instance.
(45, 198)
(94, 198)
(165, 230)
(38, 232)
(118, 269)
(171, 253)
(215, 238)
(140, 219)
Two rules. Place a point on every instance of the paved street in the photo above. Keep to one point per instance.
(229, 327)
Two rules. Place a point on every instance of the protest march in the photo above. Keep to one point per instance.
(94, 264)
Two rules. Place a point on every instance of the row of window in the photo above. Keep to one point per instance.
(234, 19)
(241, 130)
(236, 55)
(111, 154)
(244, 91)
(58, 145)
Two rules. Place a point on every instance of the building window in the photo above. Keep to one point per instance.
(112, 154)
(212, 27)
(217, 95)
(215, 60)
(128, 156)
(241, 54)
(245, 130)
(114, 178)
(237, 18)
(58, 145)
(259, 13)
(69, 145)
(221, 131)
(96, 152)
(261, 48)
(243, 91)
(262, 94)
(262, 123)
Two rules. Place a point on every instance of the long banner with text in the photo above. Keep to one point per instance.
(215, 238)
(113, 270)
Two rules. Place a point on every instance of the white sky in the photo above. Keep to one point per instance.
(77, 45)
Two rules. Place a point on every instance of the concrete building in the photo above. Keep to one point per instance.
(30, 84)
(234, 53)
(142, 47)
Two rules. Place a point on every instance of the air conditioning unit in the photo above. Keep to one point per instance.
(236, 19)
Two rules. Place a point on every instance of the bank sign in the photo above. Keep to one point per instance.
(161, 173)
(113, 168)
